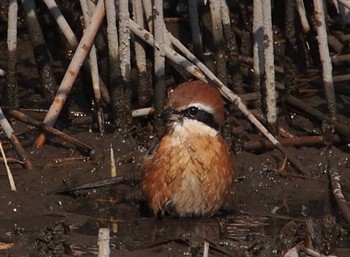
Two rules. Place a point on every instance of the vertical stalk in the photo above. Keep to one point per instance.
(232, 48)
(147, 6)
(218, 38)
(124, 35)
(12, 89)
(195, 29)
(94, 71)
(291, 48)
(159, 56)
(121, 102)
(113, 44)
(41, 54)
(143, 90)
(270, 85)
(322, 40)
(258, 50)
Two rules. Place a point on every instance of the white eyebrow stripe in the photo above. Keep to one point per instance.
(199, 106)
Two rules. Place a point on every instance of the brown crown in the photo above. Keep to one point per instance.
(198, 91)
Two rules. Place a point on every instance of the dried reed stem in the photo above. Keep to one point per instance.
(143, 89)
(302, 15)
(258, 52)
(218, 40)
(195, 29)
(12, 89)
(270, 85)
(159, 56)
(62, 22)
(103, 242)
(94, 71)
(40, 50)
(124, 37)
(322, 39)
(73, 69)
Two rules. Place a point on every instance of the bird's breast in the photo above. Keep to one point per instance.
(191, 171)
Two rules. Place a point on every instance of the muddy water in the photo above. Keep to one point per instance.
(265, 214)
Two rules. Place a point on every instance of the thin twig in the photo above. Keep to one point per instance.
(9, 174)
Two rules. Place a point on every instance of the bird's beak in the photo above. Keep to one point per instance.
(170, 114)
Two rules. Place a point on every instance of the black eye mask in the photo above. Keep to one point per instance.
(195, 113)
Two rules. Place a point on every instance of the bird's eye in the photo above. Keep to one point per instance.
(192, 111)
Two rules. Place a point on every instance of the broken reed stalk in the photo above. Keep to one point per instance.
(10, 134)
(9, 174)
(302, 15)
(206, 248)
(113, 166)
(322, 39)
(40, 50)
(103, 242)
(333, 173)
(73, 69)
(270, 85)
(258, 53)
(48, 129)
(95, 78)
(159, 57)
(226, 92)
(12, 89)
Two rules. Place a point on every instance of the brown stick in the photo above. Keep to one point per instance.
(339, 127)
(294, 141)
(26, 119)
(14, 141)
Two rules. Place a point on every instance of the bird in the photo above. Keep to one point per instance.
(190, 172)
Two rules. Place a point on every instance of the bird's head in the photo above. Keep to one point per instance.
(195, 100)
